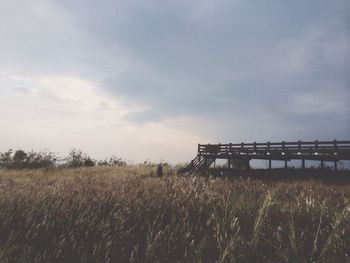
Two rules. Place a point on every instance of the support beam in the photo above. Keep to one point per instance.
(270, 163)
(335, 165)
(247, 165)
(285, 164)
(303, 163)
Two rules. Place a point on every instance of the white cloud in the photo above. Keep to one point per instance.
(62, 112)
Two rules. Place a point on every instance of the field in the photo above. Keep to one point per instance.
(126, 214)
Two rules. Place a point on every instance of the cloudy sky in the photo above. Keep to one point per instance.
(151, 79)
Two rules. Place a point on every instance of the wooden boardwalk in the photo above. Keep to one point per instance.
(333, 151)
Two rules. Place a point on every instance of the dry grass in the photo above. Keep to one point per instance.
(126, 215)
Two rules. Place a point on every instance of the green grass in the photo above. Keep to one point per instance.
(126, 215)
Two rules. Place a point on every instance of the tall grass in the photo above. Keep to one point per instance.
(124, 214)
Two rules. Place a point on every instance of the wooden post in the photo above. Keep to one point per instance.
(247, 164)
(335, 152)
(303, 163)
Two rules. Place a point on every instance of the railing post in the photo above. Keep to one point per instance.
(254, 146)
(268, 146)
(316, 146)
(303, 163)
(335, 146)
(199, 147)
(270, 163)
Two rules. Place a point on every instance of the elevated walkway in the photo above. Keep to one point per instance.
(322, 151)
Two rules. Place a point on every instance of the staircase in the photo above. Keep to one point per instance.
(199, 164)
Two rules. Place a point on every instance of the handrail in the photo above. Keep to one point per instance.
(321, 148)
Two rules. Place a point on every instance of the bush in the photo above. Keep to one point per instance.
(6, 159)
(35, 160)
(76, 158)
(27, 160)
(112, 161)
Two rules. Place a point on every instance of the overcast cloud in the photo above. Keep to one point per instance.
(151, 79)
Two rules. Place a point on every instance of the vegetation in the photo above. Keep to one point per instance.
(27, 160)
(124, 214)
(76, 158)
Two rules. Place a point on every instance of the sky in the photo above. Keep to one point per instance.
(149, 80)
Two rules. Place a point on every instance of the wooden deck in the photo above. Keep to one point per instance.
(322, 151)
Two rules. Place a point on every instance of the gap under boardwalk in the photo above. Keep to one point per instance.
(330, 176)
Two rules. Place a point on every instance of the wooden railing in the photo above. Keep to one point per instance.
(318, 150)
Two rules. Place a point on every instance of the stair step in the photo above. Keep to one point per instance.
(198, 164)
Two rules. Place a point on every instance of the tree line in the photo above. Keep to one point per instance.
(20, 159)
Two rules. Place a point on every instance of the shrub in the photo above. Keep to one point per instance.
(27, 160)
(112, 161)
(6, 159)
(77, 158)
(35, 160)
